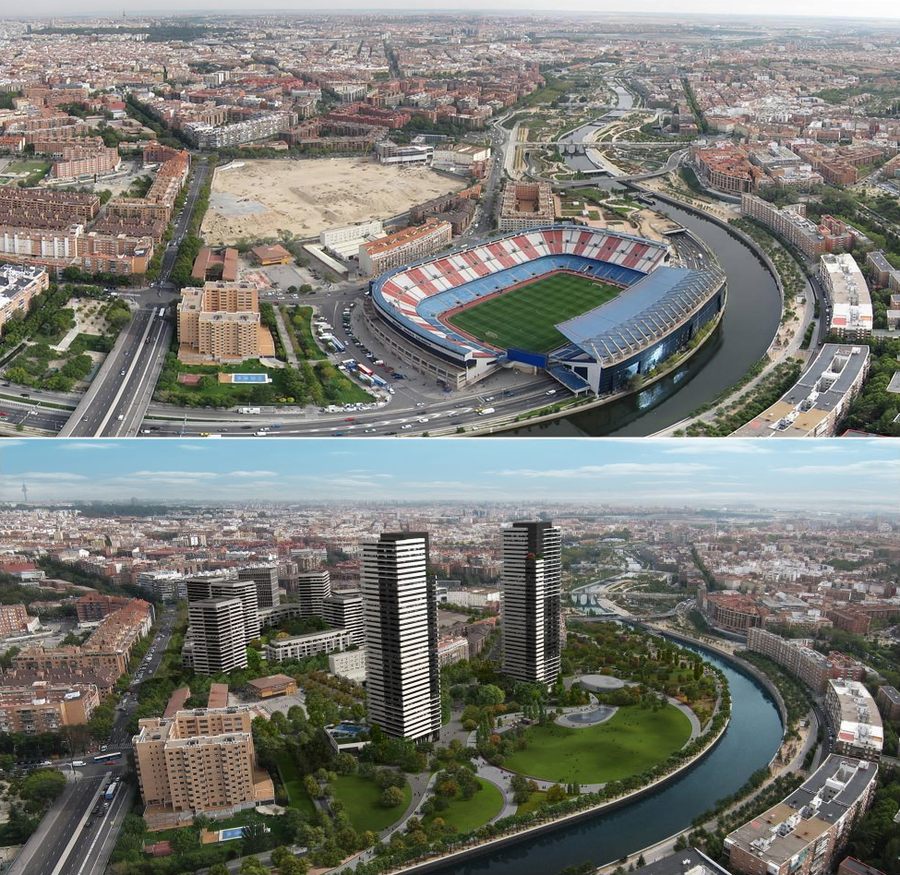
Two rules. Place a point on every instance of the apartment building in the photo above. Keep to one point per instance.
(76, 161)
(106, 652)
(46, 706)
(888, 698)
(350, 664)
(14, 620)
(221, 322)
(245, 591)
(312, 588)
(258, 127)
(531, 608)
(816, 404)
(265, 578)
(95, 606)
(403, 676)
(788, 222)
(732, 611)
(848, 294)
(214, 643)
(404, 247)
(18, 288)
(452, 649)
(344, 610)
(727, 167)
(311, 644)
(811, 667)
(884, 274)
(854, 719)
(525, 205)
(200, 761)
(806, 833)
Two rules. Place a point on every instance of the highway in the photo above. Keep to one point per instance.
(77, 835)
(117, 399)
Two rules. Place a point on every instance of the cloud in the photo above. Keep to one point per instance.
(611, 469)
(705, 446)
(880, 468)
(86, 445)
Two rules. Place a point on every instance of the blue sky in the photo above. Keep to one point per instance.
(857, 473)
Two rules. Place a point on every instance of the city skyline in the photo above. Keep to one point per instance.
(800, 8)
(828, 474)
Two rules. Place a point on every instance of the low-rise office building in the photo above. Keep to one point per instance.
(302, 646)
(404, 247)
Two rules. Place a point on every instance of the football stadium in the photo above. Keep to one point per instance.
(591, 307)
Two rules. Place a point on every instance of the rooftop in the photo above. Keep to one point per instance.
(649, 309)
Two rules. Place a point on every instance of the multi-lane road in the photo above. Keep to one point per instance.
(78, 834)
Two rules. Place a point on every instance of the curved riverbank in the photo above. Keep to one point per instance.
(563, 821)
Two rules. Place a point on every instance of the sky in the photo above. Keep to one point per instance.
(862, 474)
(864, 8)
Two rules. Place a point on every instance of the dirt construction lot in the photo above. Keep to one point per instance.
(262, 197)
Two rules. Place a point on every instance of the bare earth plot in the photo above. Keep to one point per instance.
(263, 197)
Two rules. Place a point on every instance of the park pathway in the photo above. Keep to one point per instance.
(285, 337)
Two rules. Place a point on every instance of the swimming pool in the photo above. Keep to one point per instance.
(249, 378)
(234, 832)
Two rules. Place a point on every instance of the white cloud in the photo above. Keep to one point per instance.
(612, 469)
(705, 446)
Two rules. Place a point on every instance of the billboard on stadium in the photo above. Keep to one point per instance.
(528, 358)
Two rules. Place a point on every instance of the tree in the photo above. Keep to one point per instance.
(294, 866)
(345, 764)
(254, 838)
(555, 794)
(218, 869)
(391, 797)
(252, 866)
(43, 786)
(489, 694)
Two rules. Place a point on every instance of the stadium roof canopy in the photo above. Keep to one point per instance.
(643, 313)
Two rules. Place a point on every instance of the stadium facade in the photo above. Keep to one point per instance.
(659, 310)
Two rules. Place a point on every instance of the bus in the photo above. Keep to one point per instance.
(110, 791)
(364, 370)
(112, 757)
(162, 312)
(338, 346)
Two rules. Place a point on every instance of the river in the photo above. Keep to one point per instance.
(750, 321)
(750, 742)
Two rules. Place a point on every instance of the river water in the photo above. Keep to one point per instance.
(750, 742)
(750, 321)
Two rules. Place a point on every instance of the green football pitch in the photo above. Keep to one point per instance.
(525, 317)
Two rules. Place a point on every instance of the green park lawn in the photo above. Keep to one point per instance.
(293, 785)
(633, 740)
(526, 317)
(360, 798)
(466, 815)
(535, 801)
